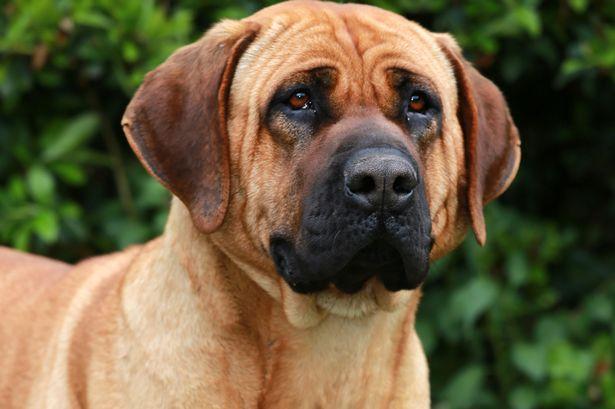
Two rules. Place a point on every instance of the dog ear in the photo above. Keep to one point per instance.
(492, 145)
(176, 121)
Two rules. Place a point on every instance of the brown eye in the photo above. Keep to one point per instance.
(417, 102)
(300, 100)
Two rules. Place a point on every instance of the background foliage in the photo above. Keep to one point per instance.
(526, 322)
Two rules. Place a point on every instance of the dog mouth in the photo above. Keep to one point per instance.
(340, 245)
(378, 258)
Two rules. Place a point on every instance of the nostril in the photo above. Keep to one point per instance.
(403, 185)
(362, 184)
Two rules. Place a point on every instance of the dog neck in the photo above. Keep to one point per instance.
(188, 304)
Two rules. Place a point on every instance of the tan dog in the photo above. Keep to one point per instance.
(316, 151)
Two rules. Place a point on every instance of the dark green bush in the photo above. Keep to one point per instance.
(526, 322)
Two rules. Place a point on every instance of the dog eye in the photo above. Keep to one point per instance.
(417, 102)
(300, 100)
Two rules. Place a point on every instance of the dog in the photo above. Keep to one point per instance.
(320, 156)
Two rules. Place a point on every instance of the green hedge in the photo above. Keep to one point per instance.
(526, 322)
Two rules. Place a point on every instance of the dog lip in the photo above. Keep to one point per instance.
(378, 258)
(390, 247)
(377, 254)
(285, 262)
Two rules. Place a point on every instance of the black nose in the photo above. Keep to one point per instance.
(380, 178)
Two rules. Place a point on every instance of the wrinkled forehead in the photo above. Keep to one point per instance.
(361, 43)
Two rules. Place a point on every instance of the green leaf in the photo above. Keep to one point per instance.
(550, 330)
(608, 389)
(21, 238)
(41, 184)
(92, 19)
(578, 6)
(427, 335)
(70, 173)
(567, 362)
(523, 398)
(528, 19)
(474, 298)
(70, 210)
(232, 12)
(17, 188)
(600, 308)
(130, 52)
(572, 66)
(518, 269)
(45, 225)
(464, 390)
(77, 132)
(531, 359)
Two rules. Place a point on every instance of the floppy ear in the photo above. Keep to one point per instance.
(176, 121)
(492, 145)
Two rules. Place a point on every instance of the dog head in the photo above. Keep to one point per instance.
(339, 147)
